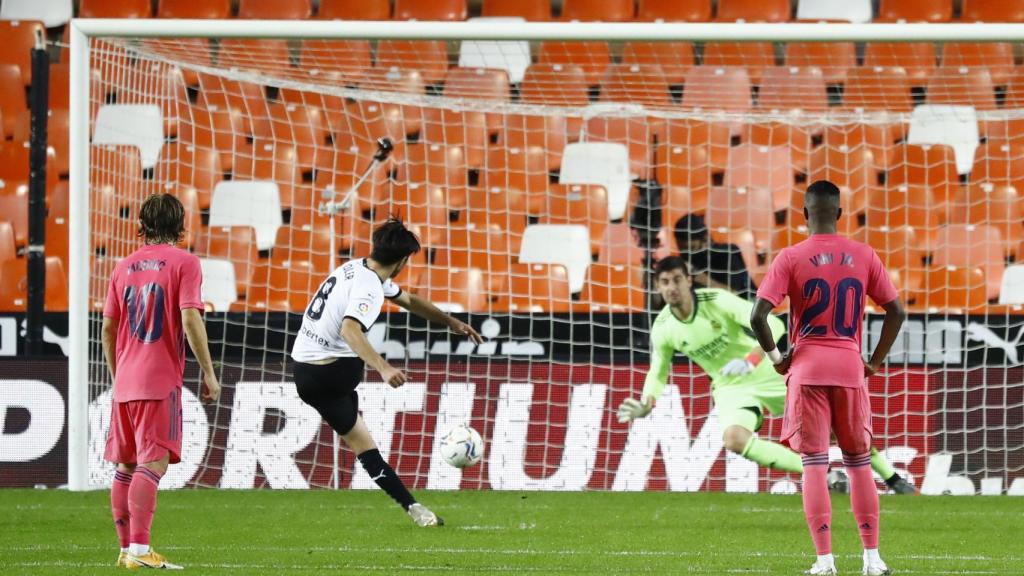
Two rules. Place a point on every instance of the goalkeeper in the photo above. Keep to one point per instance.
(712, 327)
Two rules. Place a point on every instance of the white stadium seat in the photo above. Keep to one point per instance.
(253, 203)
(139, 125)
(565, 244)
(955, 126)
(603, 163)
(218, 283)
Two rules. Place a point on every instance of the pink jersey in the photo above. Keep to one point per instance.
(147, 292)
(826, 278)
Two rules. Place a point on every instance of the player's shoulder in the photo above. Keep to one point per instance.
(661, 321)
(712, 295)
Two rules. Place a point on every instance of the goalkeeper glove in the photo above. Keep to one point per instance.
(631, 409)
(737, 367)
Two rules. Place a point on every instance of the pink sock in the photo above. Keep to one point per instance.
(863, 497)
(142, 503)
(817, 505)
(119, 505)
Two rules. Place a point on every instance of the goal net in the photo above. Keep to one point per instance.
(544, 177)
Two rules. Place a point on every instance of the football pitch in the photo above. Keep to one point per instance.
(363, 532)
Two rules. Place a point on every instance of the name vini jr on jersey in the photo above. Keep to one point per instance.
(829, 258)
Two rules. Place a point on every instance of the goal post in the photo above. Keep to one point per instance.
(541, 212)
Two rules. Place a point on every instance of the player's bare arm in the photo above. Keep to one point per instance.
(195, 331)
(759, 325)
(352, 332)
(895, 315)
(109, 339)
(425, 309)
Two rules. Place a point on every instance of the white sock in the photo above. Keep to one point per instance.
(138, 549)
(871, 555)
(826, 558)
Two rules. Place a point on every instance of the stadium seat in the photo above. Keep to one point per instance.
(8, 250)
(216, 128)
(256, 204)
(741, 209)
(220, 289)
(614, 288)
(754, 57)
(674, 58)
(754, 10)
(438, 165)
(283, 286)
(598, 10)
(962, 87)
(486, 248)
(355, 10)
(455, 289)
(512, 56)
(593, 58)
(422, 205)
(480, 83)
(603, 163)
(929, 165)
(917, 59)
(638, 134)
(430, 9)
(877, 89)
(342, 61)
(674, 11)
(236, 244)
(678, 201)
(998, 205)
(115, 9)
(545, 131)
(298, 125)
(12, 98)
(967, 245)
(710, 141)
(856, 11)
(579, 204)
(522, 169)
(14, 287)
(19, 41)
(574, 249)
(533, 10)
(275, 9)
(501, 208)
(787, 89)
(643, 84)
(428, 57)
(955, 126)
(457, 128)
(951, 289)
(996, 57)
(877, 138)
(14, 208)
(686, 176)
(1000, 163)
(182, 9)
(537, 288)
(916, 10)
(362, 123)
(762, 167)
(1012, 289)
(52, 13)
(900, 250)
(138, 125)
(60, 86)
(619, 245)
(555, 84)
(199, 169)
(14, 163)
(834, 59)
(57, 222)
(718, 88)
(787, 236)
(992, 11)
(853, 170)
(275, 163)
(907, 205)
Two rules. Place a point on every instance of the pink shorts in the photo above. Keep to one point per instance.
(145, 430)
(813, 413)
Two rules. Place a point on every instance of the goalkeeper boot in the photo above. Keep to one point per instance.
(838, 482)
(150, 560)
(823, 567)
(875, 567)
(122, 560)
(899, 485)
(423, 517)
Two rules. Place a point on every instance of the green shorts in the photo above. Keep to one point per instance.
(733, 403)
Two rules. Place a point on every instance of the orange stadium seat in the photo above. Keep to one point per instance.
(217, 128)
(674, 10)
(502, 208)
(303, 126)
(457, 128)
(614, 287)
(620, 246)
(686, 168)
(547, 132)
(876, 138)
(14, 163)
(439, 165)
(997, 205)
(486, 248)
(674, 58)
(60, 86)
(992, 11)
(557, 84)
(578, 204)
(996, 57)
(962, 86)
(1014, 95)
(951, 288)
(195, 168)
(878, 89)
(767, 167)
(999, 162)
(853, 170)
(423, 205)
(918, 59)
(788, 236)
(213, 9)
(755, 57)
(355, 10)
(718, 88)
(900, 251)
(968, 245)
(114, 9)
(12, 97)
(275, 9)
(193, 218)
(754, 10)
(916, 10)
(8, 250)
(523, 169)
(533, 10)
(456, 289)
(14, 285)
(428, 57)
(264, 55)
(835, 59)
(537, 288)
(236, 244)
(282, 286)
(598, 10)
(430, 9)
(637, 134)
(643, 84)
(480, 83)
(276, 161)
(19, 41)
(712, 138)
(343, 61)
(931, 165)
(309, 241)
(57, 222)
(790, 88)
(907, 205)
(591, 57)
(741, 209)
(14, 208)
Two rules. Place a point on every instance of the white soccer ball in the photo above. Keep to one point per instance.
(462, 446)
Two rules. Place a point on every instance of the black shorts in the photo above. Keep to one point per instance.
(331, 389)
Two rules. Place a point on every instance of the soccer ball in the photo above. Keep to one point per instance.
(462, 446)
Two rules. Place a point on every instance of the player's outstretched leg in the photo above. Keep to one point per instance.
(119, 509)
(739, 438)
(864, 500)
(142, 507)
(894, 481)
(359, 439)
(818, 511)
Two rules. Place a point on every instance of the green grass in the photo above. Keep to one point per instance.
(356, 532)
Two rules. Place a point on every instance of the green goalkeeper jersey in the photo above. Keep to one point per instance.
(716, 333)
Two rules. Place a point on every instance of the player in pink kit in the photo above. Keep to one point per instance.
(826, 278)
(153, 304)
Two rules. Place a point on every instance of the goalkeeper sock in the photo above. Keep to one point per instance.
(817, 505)
(881, 465)
(863, 497)
(119, 506)
(772, 455)
(385, 477)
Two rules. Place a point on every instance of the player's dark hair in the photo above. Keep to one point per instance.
(162, 220)
(392, 241)
(823, 189)
(669, 264)
(690, 227)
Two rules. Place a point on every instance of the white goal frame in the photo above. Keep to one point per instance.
(84, 29)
